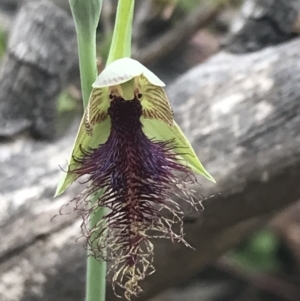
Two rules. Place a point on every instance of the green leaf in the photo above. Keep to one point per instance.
(259, 252)
(159, 130)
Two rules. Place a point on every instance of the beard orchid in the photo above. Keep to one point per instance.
(130, 148)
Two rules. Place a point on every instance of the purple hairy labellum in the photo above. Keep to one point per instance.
(138, 163)
(139, 177)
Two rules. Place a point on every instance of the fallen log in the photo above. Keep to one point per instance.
(241, 113)
(263, 23)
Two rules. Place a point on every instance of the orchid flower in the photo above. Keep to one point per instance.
(130, 148)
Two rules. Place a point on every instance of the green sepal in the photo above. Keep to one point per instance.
(123, 70)
(159, 130)
(100, 134)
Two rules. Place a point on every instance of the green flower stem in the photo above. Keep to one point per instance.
(87, 53)
(96, 280)
(121, 41)
(96, 270)
(86, 17)
(86, 14)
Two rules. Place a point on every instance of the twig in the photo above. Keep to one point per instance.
(264, 282)
(183, 31)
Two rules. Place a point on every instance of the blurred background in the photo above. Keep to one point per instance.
(171, 37)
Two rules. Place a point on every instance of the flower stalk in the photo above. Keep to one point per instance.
(96, 269)
(121, 41)
(86, 16)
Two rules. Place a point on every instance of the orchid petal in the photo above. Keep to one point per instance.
(85, 141)
(97, 109)
(154, 101)
(158, 130)
(123, 70)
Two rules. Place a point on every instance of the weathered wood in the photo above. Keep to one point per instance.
(242, 115)
(35, 69)
(14, 4)
(263, 23)
(180, 34)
